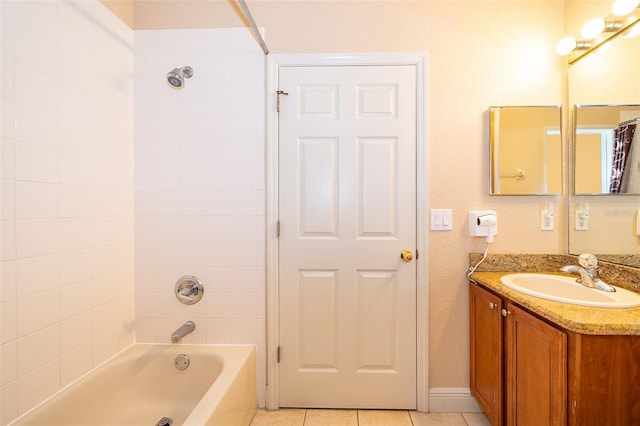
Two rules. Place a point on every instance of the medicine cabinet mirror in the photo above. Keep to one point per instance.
(607, 150)
(525, 150)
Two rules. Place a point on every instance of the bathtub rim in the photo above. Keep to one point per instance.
(243, 363)
(250, 349)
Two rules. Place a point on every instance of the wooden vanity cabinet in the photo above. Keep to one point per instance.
(535, 357)
(529, 371)
(604, 380)
(518, 363)
(486, 352)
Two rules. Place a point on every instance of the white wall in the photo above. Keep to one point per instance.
(67, 195)
(199, 179)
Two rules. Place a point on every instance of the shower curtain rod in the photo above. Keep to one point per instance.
(622, 123)
(247, 14)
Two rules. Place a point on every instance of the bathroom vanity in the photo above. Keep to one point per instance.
(539, 362)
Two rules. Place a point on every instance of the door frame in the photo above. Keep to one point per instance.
(274, 63)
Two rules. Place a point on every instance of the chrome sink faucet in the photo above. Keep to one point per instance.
(589, 272)
(184, 329)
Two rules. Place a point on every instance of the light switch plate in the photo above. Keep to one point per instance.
(441, 220)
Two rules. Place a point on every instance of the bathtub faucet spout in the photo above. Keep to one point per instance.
(184, 329)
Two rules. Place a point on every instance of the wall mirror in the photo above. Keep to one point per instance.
(607, 149)
(525, 150)
(608, 77)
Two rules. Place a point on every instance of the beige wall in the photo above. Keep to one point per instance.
(480, 53)
(588, 159)
(123, 9)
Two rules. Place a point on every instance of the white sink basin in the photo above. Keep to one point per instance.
(565, 289)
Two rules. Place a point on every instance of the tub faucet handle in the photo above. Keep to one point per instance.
(189, 289)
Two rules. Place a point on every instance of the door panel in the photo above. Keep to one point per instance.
(377, 195)
(376, 310)
(317, 312)
(318, 189)
(347, 188)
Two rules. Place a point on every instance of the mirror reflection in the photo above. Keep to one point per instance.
(608, 77)
(525, 150)
(607, 150)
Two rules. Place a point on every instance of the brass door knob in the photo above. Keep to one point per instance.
(406, 255)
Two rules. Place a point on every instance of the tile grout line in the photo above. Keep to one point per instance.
(465, 420)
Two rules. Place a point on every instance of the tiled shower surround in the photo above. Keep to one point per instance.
(100, 216)
(199, 186)
(67, 195)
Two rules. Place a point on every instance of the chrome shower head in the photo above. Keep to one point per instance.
(175, 79)
(176, 76)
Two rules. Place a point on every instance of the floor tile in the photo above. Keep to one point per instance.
(331, 418)
(282, 417)
(383, 418)
(328, 417)
(437, 419)
(476, 419)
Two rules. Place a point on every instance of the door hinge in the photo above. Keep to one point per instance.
(278, 355)
(278, 93)
(278, 229)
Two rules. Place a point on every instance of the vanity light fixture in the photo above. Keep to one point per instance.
(570, 44)
(596, 26)
(599, 31)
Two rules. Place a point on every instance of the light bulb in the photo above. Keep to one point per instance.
(566, 46)
(592, 28)
(624, 7)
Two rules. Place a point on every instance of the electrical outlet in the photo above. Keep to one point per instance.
(546, 221)
(582, 216)
(582, 221)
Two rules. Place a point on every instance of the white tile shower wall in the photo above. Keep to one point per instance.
(199, 198)
(67, 195)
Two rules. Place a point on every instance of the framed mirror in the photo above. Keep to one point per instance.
(607, 149)
(525, 150)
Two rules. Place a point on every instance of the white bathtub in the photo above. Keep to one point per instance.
(141, 385)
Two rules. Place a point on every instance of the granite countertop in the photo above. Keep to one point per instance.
(579, 319)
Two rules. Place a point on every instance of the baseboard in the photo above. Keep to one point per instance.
(452, 400)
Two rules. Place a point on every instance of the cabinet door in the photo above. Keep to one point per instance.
(536, 376)
(486, 352)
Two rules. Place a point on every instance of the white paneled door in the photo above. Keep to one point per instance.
(347, 207)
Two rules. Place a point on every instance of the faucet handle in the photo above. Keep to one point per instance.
(588, 261)
(189, 289)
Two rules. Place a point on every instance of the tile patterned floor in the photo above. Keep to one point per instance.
(309, 417)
